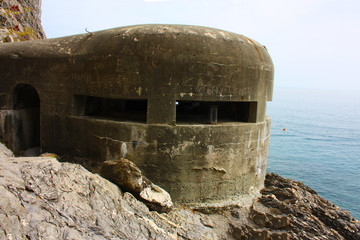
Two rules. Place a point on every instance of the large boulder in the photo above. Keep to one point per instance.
(128, 176)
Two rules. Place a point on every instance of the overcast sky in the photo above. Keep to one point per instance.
(314, 44)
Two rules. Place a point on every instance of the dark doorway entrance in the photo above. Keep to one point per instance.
(26, 120)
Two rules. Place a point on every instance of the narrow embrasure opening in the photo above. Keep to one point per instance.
(111, 108)
(199, 112)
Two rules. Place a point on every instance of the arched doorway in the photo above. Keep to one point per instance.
(26, 106)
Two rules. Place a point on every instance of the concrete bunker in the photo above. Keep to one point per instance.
(186, 104)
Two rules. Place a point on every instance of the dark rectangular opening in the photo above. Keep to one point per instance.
(199, 112)
(2, 101)
(111, 108)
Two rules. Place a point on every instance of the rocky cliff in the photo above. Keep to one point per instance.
(20, 20)
(42, 198)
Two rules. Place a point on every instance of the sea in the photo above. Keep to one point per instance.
(315, 139)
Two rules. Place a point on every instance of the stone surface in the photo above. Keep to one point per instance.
(310, 216)
(20, 20)
(128, 176)
(41, 198)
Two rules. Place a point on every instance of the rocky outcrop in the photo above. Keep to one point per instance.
(128, 176)
(20, 20)
(310, 216)
(41, 198)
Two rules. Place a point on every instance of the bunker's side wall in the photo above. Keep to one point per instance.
(195, 163)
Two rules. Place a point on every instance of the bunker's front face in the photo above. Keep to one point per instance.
(186, 104)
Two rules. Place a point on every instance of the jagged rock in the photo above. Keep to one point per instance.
(268, 220)
(311, 216)
(20, 20)
(279, 236)
(5, 152)
(206, 221)
(44, 199)
(156, 198)
(41, 198)
(128, 176)
(125, 174)
(258, 218)
(288, 209)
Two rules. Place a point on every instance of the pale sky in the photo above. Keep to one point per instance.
(314, 44)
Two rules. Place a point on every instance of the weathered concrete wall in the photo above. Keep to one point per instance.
(161, 65)
(194, 163)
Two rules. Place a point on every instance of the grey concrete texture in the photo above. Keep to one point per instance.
(80, 79)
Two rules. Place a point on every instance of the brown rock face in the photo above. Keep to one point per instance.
(20, 20)
(311, 216)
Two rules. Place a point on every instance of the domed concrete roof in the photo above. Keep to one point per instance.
(189, 55)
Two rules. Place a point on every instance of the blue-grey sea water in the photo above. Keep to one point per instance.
(315, 138)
